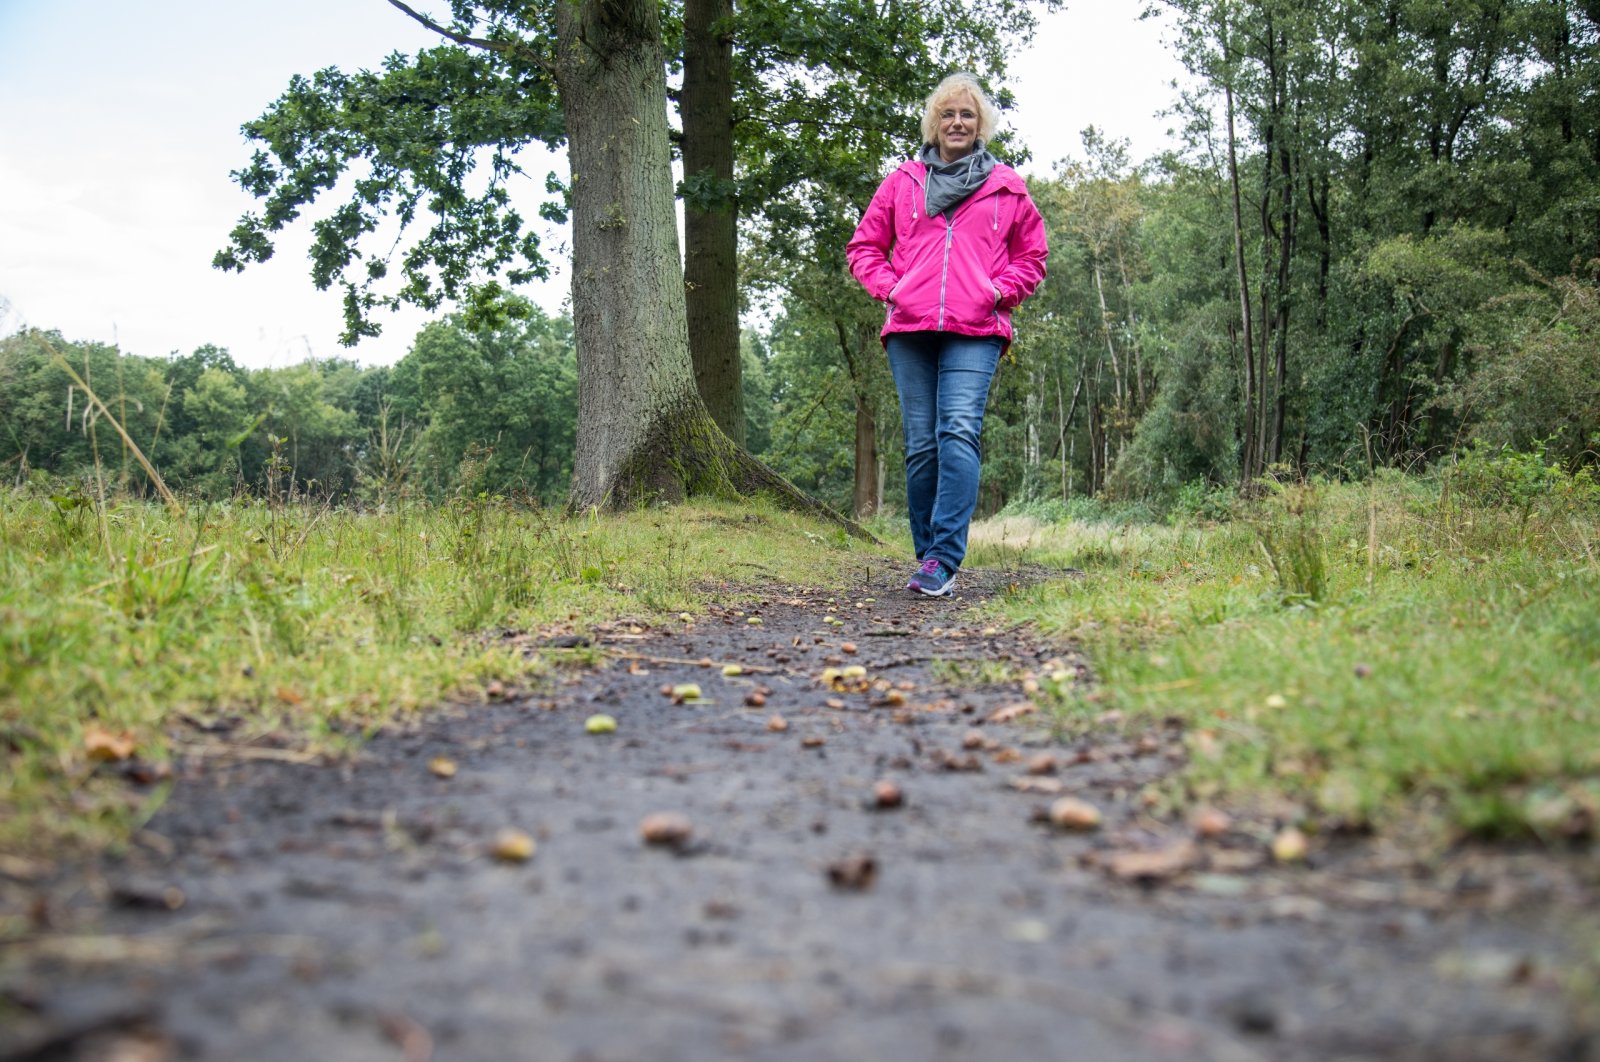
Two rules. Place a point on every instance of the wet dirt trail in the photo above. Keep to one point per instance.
(285, 910)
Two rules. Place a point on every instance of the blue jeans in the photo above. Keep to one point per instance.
(943, 380)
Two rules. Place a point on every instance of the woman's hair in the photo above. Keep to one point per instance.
(951, 87)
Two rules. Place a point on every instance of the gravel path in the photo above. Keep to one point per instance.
(298, 910)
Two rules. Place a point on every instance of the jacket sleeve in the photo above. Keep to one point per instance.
(1026, 251)
(868, 250)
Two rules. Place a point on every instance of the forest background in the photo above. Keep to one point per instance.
(1372, 245)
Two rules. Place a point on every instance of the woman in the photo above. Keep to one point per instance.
(952, 243)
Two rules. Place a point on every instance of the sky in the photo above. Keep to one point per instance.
(122, 125)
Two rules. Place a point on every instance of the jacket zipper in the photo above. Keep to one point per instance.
(944, 274)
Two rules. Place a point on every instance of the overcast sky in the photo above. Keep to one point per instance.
(121, 124)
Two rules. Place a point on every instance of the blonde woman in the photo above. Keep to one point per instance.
(952, 243)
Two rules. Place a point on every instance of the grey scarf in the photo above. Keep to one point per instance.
(949, 183)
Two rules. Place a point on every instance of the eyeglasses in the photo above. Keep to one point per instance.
(946, 117)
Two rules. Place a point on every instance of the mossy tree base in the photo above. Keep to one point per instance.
(688, 456)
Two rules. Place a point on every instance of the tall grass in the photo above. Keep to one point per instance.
(1367, 650)
(304, 623)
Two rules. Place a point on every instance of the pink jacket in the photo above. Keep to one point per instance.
(962, 274)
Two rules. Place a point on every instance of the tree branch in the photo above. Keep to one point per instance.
(503, 47)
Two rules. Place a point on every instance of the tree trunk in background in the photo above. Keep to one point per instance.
(865, 496)
(1247, 468)
(643, 432)
(710, 267)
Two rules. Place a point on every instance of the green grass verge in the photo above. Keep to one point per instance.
(311, 626)
(1367, 651)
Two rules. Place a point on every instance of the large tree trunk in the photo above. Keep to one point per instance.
(710, 228)
(643, 432)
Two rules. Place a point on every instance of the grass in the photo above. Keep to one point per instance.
(123, 621)
(1369, 651)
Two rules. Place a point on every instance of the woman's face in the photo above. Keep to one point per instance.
(958, 126)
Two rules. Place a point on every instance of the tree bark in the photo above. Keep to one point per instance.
(643, 433)
(710, 224)
(1247, 465)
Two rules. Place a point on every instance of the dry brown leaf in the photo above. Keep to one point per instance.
(1158, 864)
(1012, 712)
(103, 746)
(855, 871)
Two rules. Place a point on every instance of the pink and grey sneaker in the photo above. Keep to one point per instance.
(933, 579)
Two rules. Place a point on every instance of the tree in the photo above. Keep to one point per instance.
(796, 88)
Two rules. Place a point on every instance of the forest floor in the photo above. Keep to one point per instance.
(283, 906)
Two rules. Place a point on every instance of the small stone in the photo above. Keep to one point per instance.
(755, 698)
(777, 724)
(885, 794)
(442, 767)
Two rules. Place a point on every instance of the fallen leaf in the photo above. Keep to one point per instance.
(600, 724)
(813, 742)
(1071, 813)
(442, 767)
(1037, 785)
(665, 828)
(856, 871)
(1156, 864)
(103, 746)
(512, 845)
(730, 670)
(1012, 712)
(686, 691)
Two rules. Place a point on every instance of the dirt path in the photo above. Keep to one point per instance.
(354, 912)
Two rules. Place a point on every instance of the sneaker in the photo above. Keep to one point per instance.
(933, 579)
